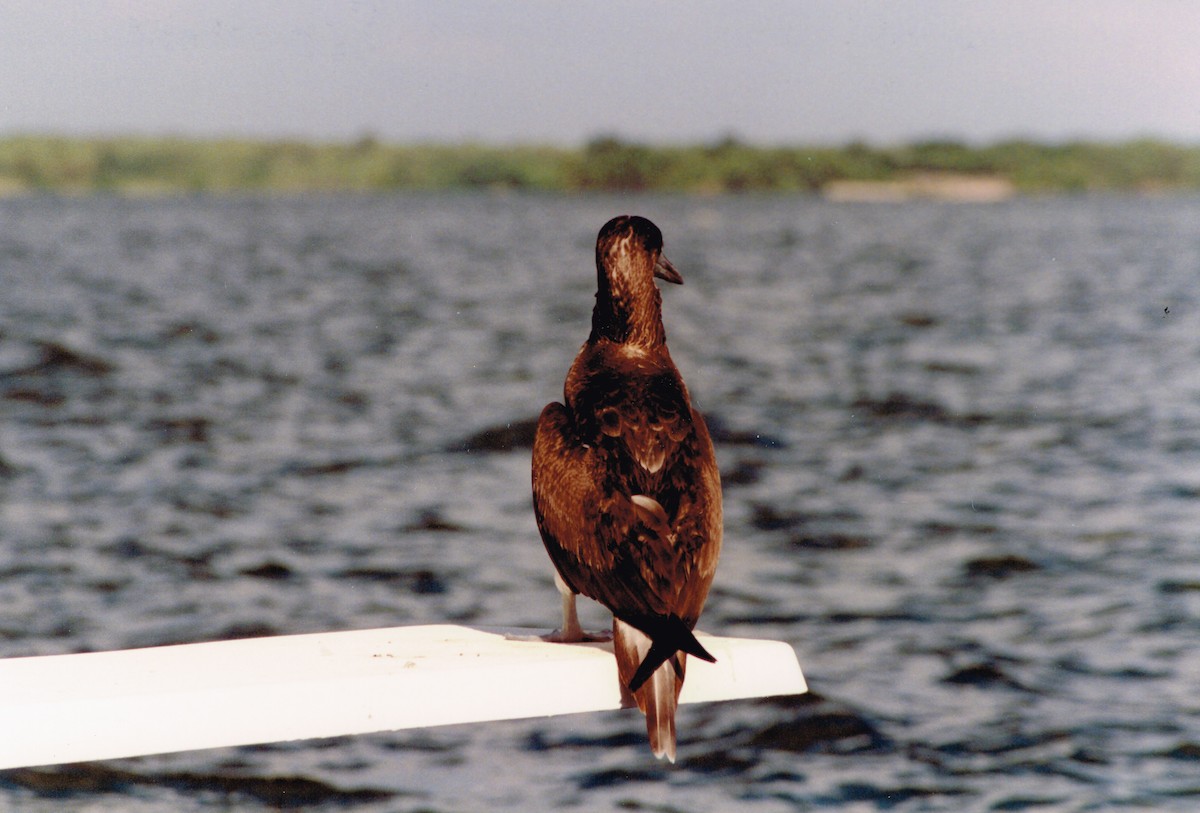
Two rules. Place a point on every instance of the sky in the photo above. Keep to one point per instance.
(565, 71)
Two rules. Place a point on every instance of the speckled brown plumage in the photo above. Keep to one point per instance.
(625, 484)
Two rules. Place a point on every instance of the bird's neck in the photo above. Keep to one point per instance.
(628, 317)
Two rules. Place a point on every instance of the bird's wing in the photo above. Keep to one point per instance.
(641, 556)
(697, 525)
(602, 542)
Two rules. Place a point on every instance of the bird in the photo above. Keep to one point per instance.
(626, 490)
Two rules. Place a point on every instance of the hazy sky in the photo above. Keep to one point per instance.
(561, 71)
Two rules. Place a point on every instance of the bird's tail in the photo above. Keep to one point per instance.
(668, 634)
(658, 694)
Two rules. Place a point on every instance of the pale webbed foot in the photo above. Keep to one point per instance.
(578, 636)
(571, 632)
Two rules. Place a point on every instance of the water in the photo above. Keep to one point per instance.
(961, 447)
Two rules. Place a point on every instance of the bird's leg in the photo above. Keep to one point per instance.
(571, 632)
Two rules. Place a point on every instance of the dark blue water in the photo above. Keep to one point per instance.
(961, 447)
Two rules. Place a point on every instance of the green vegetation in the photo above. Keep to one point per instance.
(168, 165)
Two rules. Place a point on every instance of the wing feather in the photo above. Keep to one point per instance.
(604, 540)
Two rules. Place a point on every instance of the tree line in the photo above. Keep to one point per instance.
(607, 163)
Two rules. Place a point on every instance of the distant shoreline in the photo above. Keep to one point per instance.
(942, 170)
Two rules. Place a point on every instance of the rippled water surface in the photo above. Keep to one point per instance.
(961, 450)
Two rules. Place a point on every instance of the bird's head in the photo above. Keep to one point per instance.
(628, 305)
(629, 252)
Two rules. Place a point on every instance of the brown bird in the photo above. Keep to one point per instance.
(625, 484)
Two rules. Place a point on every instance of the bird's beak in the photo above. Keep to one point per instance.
(663, 269)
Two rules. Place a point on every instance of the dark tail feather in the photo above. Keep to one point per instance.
(669, 635)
